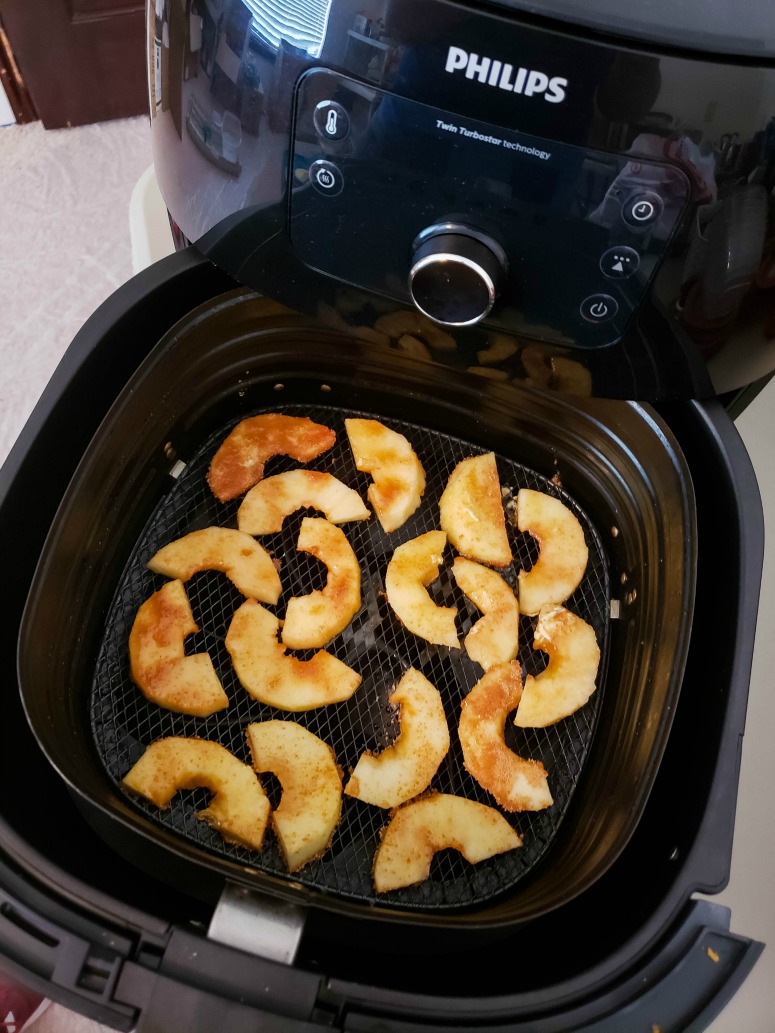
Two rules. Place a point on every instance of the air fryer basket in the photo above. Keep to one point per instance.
(375, 644)
(240, 355)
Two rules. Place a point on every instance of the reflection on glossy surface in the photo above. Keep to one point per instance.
(234, 134)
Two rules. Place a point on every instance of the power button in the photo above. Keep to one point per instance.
(598, 308)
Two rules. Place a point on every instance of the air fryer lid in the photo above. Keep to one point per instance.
(237, 356)
(734, 27)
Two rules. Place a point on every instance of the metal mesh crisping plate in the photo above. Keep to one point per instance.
(375, 644)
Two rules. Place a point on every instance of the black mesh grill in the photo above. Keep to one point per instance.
(375, 644)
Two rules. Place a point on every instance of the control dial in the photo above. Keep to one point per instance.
(457, 273)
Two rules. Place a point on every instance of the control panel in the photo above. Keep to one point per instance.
(471, 221)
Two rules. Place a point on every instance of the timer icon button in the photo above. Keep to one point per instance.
(326, 178)
(642, 209)
(617, 263)
(598, 308)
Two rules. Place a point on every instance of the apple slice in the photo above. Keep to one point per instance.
(422, 827)
(239, 810)
(562, 558)
(517, 784)
(311, 783)
(405, 769)
(312, 620)
(495, 638)
(409, 321)
(398, 475)
(239, 462)
(414, 565)
(271, 676)
(246, 563)
(266, 506)
(471, 510)
(158, 664)
(569, 679)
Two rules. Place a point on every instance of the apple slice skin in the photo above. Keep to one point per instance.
(271, 676)
(158, 664)
(266, 506)
(517, 784)
(237, 555)
(420, 828)
(405, 769)
(414, 565)
(239, 810)
(239, 462)
(314, 619)
(569, 679)
(311, 781)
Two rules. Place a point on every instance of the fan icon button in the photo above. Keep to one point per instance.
(326, 178)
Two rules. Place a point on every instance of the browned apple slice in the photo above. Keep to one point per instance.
(562, 557)
(405, 769)
(239, 462)
(471, 510)
(246, 563)
(271, 676)
(414, 565)
(398, 475)
(157, 663)
(312, 620)
(500, 347)
(569, 679)
(420, 828)
(517, 784)
(266, 506)
(495, 638)
(239, 810)
(311, 783)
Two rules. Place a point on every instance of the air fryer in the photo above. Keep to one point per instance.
(495, 232)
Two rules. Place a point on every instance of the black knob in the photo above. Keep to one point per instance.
(457, 273)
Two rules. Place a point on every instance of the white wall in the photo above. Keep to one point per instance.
(6, 114)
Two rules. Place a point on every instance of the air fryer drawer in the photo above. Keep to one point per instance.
(241, 354)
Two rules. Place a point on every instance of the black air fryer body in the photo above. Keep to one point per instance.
(580, 205)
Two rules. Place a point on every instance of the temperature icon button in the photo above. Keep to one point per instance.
(617, 263)
(331, 120)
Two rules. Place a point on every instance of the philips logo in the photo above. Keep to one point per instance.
(506, 77)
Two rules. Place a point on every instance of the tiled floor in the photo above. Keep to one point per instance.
(65, 245)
